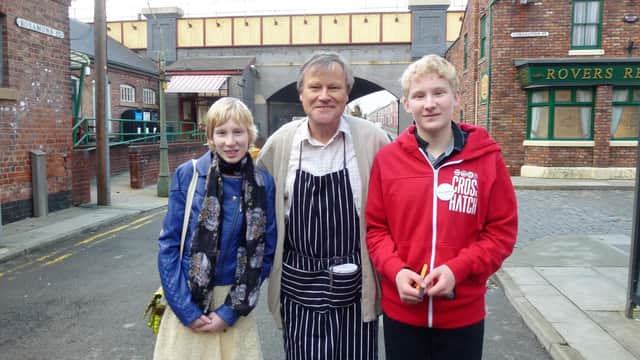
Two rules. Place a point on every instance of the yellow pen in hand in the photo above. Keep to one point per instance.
(423, 273)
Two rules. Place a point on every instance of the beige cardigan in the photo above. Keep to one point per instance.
(274, 157)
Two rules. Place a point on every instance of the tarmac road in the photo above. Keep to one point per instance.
(83, 299)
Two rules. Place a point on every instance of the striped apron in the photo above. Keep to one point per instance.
(321, 274)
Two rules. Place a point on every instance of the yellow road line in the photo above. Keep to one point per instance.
(144, 218)
(57, 260)
(45, 257)
(141, 225)
(94, 237)
(104, 239)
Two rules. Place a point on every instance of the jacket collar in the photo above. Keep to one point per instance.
(203, 164)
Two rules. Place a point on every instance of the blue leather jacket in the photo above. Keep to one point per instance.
(173, 273)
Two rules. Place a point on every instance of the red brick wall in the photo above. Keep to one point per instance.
(144, 161)
(508, 101)
(622, 156)
(36, 68)
(558, 156)
(84, 169)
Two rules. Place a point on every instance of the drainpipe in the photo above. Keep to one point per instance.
(475, 104)
(490, 32)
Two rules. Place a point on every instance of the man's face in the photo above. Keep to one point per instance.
(324, 94)
(431, 103)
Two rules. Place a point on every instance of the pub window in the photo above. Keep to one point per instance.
(483, 36)
(148, 96)
(127, 93)
(625, 113)
(586, 24)
(466, 50)
(560, 114)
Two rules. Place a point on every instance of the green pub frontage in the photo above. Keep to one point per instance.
(583, 117)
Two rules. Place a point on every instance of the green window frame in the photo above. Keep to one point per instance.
(563, 113)
(625, 113)
(483, 36)
(586, 24)
(465, 41)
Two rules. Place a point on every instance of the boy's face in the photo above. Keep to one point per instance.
(431, 102)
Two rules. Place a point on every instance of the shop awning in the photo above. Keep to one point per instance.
(197, 84)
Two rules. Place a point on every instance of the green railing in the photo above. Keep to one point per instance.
(127, 131)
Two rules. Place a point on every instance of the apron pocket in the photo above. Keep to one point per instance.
(323, 289)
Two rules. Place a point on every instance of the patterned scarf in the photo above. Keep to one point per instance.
(205, 246)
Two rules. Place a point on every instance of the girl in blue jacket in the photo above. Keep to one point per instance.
(228, 248)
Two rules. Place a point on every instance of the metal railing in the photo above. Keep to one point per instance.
(128, 131)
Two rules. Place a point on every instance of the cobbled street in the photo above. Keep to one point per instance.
(546, 213)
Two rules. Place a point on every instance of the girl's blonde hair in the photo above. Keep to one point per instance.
(225, 109)
(429, 64)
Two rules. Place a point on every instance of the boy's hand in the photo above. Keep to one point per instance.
(405, 282)
(440, 281)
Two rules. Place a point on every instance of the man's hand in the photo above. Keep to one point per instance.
(440, 281)
(406, 281)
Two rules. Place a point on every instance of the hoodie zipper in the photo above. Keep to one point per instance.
(434, 225)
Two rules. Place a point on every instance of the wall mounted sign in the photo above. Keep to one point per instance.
(484, 87)
(533, 74)
(43, 29)
(525, 34)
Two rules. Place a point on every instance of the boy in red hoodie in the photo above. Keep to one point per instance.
(440, 199)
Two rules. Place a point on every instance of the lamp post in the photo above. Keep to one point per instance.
(163, 175)
(633, 290)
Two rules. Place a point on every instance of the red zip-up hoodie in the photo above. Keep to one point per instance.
(463, 214)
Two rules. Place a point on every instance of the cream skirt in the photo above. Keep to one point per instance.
(177, 342)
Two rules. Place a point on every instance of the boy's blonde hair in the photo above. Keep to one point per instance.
(429, 64)
(225, 109)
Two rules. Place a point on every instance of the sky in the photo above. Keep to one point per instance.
(129, 9)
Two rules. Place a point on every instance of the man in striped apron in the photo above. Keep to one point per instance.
(323, 289)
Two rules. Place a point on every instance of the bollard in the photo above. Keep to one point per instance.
(39, 183)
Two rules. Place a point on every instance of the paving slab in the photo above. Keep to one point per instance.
(625, 331)
(587, 288)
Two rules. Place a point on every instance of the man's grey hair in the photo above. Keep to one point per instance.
(324, 60)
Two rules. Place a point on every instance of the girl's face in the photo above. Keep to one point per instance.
(231, 141)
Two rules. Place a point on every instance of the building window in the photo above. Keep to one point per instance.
(148, 96)
(625, 113)
(483, 36)
(466, 50)
(127, 94)
(586, 24)
(560, 114)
